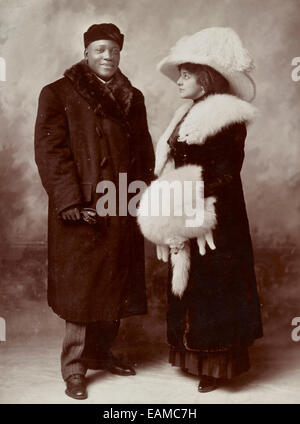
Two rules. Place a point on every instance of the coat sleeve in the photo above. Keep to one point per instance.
(225, 160)
(53, 155)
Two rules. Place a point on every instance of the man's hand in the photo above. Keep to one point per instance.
(71, 214)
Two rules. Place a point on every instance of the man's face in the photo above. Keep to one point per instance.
(103, 57)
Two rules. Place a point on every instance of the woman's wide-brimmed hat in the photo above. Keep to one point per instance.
(220, 48)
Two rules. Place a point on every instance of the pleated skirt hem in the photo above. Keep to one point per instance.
(223, 364)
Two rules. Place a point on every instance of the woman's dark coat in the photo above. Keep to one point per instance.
(220, 307)
(87, 132)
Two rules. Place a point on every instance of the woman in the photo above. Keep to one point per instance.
(218, 316)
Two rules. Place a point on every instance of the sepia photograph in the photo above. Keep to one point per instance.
(149, 221)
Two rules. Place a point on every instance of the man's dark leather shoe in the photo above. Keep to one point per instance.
(76, 387)
(207, 384)
(119, 368)
(111, 364)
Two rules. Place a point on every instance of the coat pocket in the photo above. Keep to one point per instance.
(86, 189)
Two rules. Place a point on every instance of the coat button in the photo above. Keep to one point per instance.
(103, 162)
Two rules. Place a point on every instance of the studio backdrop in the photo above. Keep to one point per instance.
(39, 39)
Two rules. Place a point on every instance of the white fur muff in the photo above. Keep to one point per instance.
(165, 218)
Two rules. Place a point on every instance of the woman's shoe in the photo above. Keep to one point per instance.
(207, 384)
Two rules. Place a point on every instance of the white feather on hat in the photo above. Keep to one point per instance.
(219, 48)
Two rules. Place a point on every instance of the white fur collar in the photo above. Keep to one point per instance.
(204, 119)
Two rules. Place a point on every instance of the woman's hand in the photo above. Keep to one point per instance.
(162, 252)
(206, 238)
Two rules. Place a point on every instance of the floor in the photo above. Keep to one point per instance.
(30, 372)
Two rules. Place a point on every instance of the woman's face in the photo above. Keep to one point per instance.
(189, 88)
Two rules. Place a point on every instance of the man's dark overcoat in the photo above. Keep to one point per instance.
(87, 132)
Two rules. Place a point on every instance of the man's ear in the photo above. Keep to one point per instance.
(86, 54)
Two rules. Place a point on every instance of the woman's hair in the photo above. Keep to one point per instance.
(211, 80)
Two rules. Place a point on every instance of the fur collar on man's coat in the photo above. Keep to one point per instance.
(111, 99)
(204, 118)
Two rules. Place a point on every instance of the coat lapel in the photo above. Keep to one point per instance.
(205, 118)
(113, 99)
(162, 147)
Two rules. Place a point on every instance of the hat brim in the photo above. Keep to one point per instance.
(241, 84)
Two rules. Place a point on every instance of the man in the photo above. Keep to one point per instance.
(91, 126)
